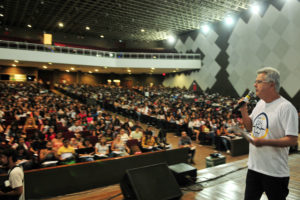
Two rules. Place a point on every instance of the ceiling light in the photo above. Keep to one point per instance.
(171, 39)
(111, 54)
(105, 67)
(255, 8)
(60, 24)
(29, 25)
(49, 63)
(67, 70)
(1, 15)
(87, 28)
(16, 61)
(45, 67)
(96, 70)
(154, 57)
(102, 36)
(72, 68)
(90, 72)
(129, 70)
(14, 65)
(152, 68)
(229, 20)
(174, 70)
(205, 29)
(142, 30)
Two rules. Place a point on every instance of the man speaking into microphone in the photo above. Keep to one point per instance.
(273, 124)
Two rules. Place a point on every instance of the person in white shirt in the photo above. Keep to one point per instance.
(15, 183)
(76, 128)
(274, 126)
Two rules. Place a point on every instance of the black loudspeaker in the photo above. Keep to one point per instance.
(185, 174)
(153, 182)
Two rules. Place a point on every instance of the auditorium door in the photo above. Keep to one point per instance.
(127, 83)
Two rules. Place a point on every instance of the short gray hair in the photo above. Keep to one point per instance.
(272, 75)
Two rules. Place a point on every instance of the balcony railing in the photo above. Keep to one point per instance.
(97, 53)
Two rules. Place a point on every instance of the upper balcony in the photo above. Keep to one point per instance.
(11, 50)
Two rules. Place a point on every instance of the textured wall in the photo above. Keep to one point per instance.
(231, 56)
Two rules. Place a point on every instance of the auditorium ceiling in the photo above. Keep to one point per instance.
(136, 20)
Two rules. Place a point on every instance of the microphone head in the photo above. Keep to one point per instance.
(251, 94)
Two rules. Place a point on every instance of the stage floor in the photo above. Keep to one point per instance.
(225, 181)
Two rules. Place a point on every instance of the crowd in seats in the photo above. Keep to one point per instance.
(48, 129)
(206, 118)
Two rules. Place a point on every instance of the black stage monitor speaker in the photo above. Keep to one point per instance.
(153, 182)
(185, 174)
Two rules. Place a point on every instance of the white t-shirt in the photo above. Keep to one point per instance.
(272, 121)
(16, 179)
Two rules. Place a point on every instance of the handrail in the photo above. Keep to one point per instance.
(97, 53)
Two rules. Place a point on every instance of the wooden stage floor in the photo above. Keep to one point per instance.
(226, 182)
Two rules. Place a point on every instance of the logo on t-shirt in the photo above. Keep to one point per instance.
(260, 126)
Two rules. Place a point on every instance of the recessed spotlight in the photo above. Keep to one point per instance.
(1, 15)
(29, 25)
(14, 65)
(152, 68)
(171, 39)
(229, 20)
(129, 70)
(255, 8)
(142, 30)
(60, 24)
(16, 61)
(49, 63)
(87, 28)
(90, 72)
(102, 36)
(45, 67)
(67, 70)
(72, 68)
(205, 29)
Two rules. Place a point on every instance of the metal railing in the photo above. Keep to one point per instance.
(97, 53)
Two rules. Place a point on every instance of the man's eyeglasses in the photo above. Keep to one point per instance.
(260, 81)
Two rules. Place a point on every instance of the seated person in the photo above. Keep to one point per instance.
(222, 132)
(149, 143)
(86, 151)
(162, 140)
(76, 127)
(102, 148)
(185, 141)
(58, 141)
(119, 148)
(66, 153)
(24, 158)
(75, 142)
(109, 136)
(124, 135)
(136, 134)
(48, 156)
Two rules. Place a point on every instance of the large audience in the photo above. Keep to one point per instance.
(76, 124)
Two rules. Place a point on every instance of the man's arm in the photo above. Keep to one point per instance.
(246, 119)
(282, 142)
(15, 192)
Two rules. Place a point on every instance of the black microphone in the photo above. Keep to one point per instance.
(245, 100)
